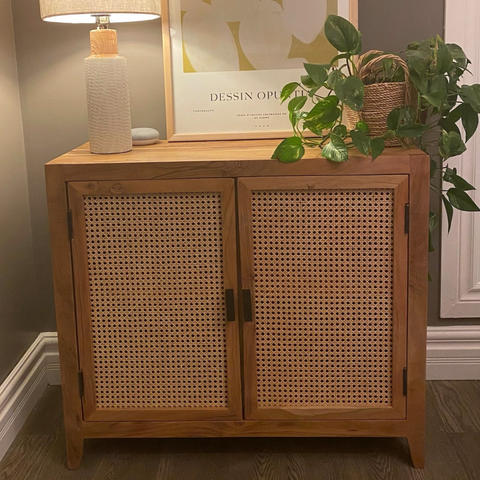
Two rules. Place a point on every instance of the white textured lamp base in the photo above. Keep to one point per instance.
(108, 99)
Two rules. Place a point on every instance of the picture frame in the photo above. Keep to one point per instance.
(226, 62)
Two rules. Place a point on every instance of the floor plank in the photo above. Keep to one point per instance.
(458, 405)
(467, 445)
(452, 452)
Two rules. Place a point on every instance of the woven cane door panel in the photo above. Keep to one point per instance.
(323, 269)
(156, 290)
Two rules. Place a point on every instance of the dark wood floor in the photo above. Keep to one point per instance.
(453, 450)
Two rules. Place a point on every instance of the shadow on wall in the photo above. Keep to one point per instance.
(52, 87)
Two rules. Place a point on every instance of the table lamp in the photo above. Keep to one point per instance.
(109, 121)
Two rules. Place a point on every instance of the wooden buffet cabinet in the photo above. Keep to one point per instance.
(205, 290)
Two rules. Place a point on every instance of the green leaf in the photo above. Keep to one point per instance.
(328, 118)
(414, 130)
(451, 144)
(448, 211)
(314, 127)
(387, 64)
(446, 124)
(359, 45)
(341, 34)
(339, 57)
(333, 77)
(307, 81)
(438, 83)
(294, 118)
(432, 221)
(436, 99)
(322, 105)
(313, 92)
(469, 121)
(324, 114)
(340, 130)
(290, 150)
(336, 150)
(456, 114)
(361, 141)
(408, 115)
(471, 94)
(399, 75)
(389, 134)
(419, 81)
(444, 57)
(414, 45)
(350, 91)
(419, 60)
(362, 126)
(451, 176)
(437, 91)
(452, 98)
(377, 146)
(393, 119)
(288, 90)
(461, 200)
(458, 54)
(318, 73)
(454, 74)
(296, 104)
(432, 225)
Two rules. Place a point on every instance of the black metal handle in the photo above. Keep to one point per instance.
(230, 301)
(247, 306)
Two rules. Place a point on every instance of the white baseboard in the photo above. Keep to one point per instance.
(24, 386)
(52, 359)
(453, 353)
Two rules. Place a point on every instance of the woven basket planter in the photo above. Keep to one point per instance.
(380, 99)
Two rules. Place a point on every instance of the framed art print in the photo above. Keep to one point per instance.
(226, 62)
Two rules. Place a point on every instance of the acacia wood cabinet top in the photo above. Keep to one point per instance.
(222, 159)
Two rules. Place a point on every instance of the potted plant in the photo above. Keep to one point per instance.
(432, 103)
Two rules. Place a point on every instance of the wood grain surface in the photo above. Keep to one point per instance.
(215, 162)
(452, 446)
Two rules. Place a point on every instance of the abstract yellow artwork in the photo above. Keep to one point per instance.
(246, 35)
(226, 62)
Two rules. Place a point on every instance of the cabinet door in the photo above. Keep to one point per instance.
(324, 278)
(156, 294)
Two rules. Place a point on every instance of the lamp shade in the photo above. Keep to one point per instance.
(81, 11)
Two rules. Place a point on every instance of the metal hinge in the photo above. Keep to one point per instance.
(405, 386)
(81, 383)
(70, 224)
(407, 218)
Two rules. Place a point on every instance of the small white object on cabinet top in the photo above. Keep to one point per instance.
(144, 136)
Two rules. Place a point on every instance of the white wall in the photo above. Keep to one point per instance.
(460, 293)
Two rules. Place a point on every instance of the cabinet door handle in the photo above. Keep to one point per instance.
(247, 306)
(230, 301)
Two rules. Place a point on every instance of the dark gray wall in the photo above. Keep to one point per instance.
(18, 322)
(393, 24)
(50, 62)
(51, 75)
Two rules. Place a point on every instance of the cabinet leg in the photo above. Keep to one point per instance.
(416, 442)
(74, 451)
